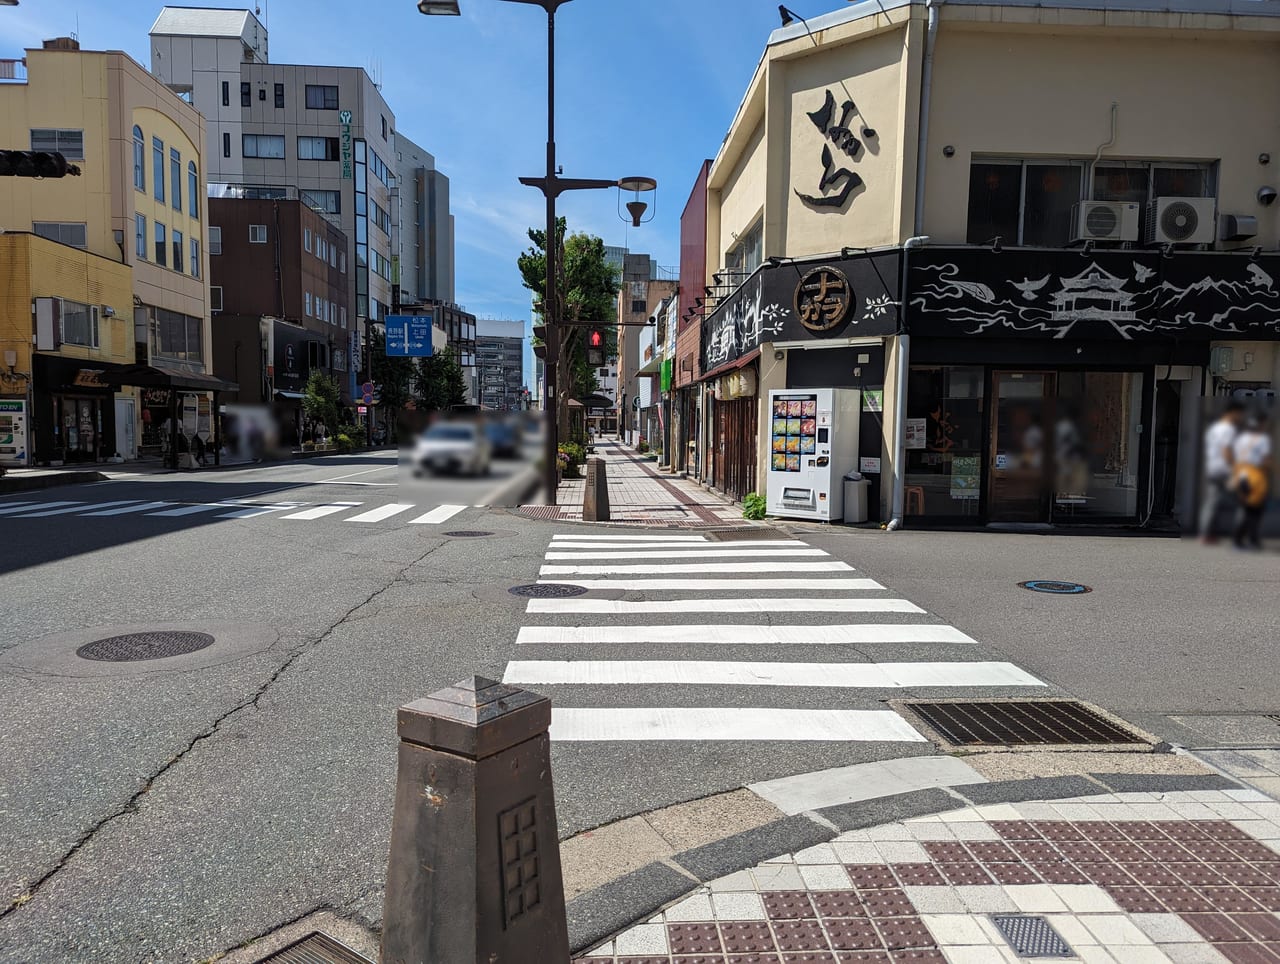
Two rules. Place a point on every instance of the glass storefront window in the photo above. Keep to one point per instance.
(1096, 444)
(945, 430)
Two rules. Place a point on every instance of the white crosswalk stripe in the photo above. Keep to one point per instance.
(67, 509)
(129, 509)
(437, 515)
(701, 586)
(31, 506)
(380, 513)
(320, 511)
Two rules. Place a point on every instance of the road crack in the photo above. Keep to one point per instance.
(132, 804)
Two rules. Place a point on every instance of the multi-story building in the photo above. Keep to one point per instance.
(138, 202)
(278, 292)
(500, 364)
(322, 134)
(1031, 235)
(644, 285)
(426, 227)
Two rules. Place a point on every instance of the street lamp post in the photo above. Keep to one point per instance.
(552, 186)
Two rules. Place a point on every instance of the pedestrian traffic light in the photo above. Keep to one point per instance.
(595, 339)
(35, 164)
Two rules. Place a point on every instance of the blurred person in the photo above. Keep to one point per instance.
(1069, 455)
(1219, 457)
(1251, 480)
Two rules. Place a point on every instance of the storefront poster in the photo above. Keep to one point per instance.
(916, 433)
(794, 431)
(965, 477)
(873, 400)
(869, 466)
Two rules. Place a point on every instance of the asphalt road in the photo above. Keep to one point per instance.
(169, 810)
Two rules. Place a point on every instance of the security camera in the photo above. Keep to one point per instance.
(109, 311)
(1266, 195)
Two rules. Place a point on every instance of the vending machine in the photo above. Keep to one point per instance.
(813, 436)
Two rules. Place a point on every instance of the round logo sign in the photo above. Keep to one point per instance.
(823, 299)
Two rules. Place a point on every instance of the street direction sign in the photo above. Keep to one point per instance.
(409, 336)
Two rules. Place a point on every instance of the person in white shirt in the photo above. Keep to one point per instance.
(1218, 458)
(1251, 480)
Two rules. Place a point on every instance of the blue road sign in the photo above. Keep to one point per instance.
(409, 336)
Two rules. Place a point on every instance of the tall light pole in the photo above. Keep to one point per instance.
(552, 186)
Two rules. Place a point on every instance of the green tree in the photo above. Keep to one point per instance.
(394, 375)
(441, 384)
(321, 400)
(587, 290)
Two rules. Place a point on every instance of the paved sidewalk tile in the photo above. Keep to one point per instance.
(1142, 885)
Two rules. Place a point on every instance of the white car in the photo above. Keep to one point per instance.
(452, 447)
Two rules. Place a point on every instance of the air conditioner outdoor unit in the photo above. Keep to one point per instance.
(1181, 220)
(1105, 221)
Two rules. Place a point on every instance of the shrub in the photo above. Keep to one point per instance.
(754, 506)
(344, 443)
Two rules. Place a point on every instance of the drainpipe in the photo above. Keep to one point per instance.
(926, 90)
(900, 393)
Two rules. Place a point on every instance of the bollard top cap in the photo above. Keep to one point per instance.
(476, 718)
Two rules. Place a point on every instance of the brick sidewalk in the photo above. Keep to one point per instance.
(1122, 878)
(641, 495)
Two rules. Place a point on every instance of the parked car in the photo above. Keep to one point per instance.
(504, 439)
(452, 447)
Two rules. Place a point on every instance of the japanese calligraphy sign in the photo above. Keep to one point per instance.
(838, 182)
(822, 298)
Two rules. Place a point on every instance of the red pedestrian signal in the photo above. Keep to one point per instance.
(596, 339)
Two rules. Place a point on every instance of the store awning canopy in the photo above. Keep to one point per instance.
(150, 376)
(597, 401)
(283, 396)
(652, 367)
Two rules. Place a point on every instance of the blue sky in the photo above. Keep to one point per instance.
(643, 87)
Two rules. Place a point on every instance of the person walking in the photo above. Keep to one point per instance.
(1218, 459)
(1251, 480)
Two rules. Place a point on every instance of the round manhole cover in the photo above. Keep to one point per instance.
(1054, 587)
(547, 590)
(468, 533)
(134, 647)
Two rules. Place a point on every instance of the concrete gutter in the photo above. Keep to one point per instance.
(46, 480)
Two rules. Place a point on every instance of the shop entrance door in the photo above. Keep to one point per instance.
(1018, 487)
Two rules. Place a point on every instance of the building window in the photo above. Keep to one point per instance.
(175, 175)
(70, 233)
(333, 254)
(342, 315)
(246, 95)
(68, 143)
(226, 145)
(1023, 202)
(379, 168)
(257, 234)
(320, 97)
(1139, 182)
(226, 94)
(140, 236)
(215, 240)
(193, 190)
(157, 165)
(178, 336)
(318, 149)
(637, 307)
(330, 202)
(162, 254)
(342, 262)
(139, 160)
(195, 258)
(306, 240)
(321, 251)
(262, 93)
(215, 297)
(79, 323)
(263, 145)
(306, 303)
(279, 96)
(746, 256)
(381, 218)
(177, 251)
(384, 128)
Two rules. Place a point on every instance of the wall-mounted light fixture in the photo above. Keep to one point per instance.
(1266, 195)
(948, 151)
(1264, 158)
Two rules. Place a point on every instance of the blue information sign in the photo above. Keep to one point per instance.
(409, 336)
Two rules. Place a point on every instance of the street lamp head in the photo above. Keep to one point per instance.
(637, 185)
(636, 209)
(443, 8)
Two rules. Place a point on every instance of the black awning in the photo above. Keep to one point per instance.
(149, 376)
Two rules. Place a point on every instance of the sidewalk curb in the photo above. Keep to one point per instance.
(48, 481)
(515, 490)
(614, 906)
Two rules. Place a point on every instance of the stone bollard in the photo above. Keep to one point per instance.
(595, 497)
(474, 874)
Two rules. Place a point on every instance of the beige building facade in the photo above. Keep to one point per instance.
(1060, 204)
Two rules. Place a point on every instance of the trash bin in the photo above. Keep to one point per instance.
(855, 497)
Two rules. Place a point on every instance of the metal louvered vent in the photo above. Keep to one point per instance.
(1179, 221)
(1101, 221)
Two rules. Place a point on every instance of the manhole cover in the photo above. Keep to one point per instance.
(1031, 936)
(1021, 722)
(547, 590)
(134, 647)
(316, 948)
(468, 533)
(1055, 587)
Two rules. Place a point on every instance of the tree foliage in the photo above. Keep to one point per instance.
(441, 383)
(321, 399)
(393, 374)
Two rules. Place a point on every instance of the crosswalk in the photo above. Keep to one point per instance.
(358, 513)
(811, 647)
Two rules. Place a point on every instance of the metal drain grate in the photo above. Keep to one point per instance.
(547, 590)
(1020, 723)
(134, 647)
(316, 948)
(1055, 588)
(1031, 937)
(468, 533)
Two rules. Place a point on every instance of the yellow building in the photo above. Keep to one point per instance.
(138, 202)
(1008, 225)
